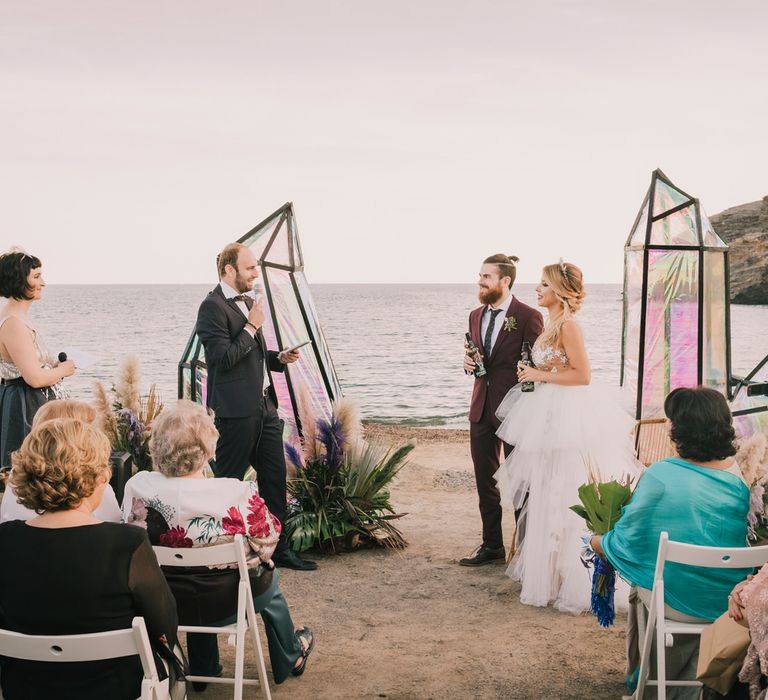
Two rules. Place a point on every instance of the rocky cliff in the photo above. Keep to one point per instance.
(745, 230)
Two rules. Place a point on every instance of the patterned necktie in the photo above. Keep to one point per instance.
(489, 332)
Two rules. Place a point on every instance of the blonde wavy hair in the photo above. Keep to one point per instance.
(183, 439)
(65, 408)
(59, 464)
(567, 282)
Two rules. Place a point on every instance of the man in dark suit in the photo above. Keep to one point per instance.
(240, 389)
(498, 329)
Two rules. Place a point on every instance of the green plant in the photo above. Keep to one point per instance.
(339, 497)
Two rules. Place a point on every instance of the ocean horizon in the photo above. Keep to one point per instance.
(397, 348)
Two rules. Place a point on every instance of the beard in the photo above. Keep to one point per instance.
(241, 285)
(490, 295)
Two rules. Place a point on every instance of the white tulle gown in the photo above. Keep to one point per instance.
(559, 433)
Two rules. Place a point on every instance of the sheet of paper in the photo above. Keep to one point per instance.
(81, 358)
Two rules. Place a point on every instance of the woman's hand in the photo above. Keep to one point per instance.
(594, 542)
(529, 374)
(67, 368)
(735, 603)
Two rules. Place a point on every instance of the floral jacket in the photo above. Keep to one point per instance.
(188, 512)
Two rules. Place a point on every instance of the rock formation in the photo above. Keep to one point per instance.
(745, 230)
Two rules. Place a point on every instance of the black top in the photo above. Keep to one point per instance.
(76, 580)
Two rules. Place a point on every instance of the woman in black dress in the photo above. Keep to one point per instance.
(28, 375)
(64, 572)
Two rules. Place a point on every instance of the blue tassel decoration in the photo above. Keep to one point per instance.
(603, 588)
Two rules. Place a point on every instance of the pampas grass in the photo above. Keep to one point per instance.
(752, 458)
(127, 385)
(106, 417)
(347, 412)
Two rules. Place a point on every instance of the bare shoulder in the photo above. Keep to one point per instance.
(13, 324)
(571, 329)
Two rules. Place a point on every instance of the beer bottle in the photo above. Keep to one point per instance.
(474, 353)
(525, 358)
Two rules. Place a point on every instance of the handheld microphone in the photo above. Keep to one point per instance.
(62, 357)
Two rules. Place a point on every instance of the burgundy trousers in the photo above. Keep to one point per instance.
(486, 451)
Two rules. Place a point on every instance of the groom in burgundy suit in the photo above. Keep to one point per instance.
(498, 329)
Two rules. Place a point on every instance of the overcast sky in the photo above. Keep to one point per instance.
(415, 137)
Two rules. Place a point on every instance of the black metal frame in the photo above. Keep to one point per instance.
(284, 217)
(646, 247)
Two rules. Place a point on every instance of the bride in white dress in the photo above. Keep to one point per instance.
(561, 431)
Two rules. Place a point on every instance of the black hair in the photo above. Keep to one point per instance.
(702, 425)
(14, 270)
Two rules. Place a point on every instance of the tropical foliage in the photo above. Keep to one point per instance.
(339, 498)
(127, 416)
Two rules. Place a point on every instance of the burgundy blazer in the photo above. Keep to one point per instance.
(501, 366)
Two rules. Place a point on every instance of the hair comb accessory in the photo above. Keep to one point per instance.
(563, 268)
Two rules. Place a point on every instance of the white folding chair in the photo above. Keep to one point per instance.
(665, 629)
(90, 647)
(218, 555)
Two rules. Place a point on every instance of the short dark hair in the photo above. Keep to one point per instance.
(14, 270)
(702, 425)
(505, 264)
(228, 256)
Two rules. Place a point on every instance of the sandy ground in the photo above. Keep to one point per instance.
(414, 624)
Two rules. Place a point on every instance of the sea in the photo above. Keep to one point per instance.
(397, 348)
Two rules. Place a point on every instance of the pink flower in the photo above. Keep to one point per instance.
(138, 514)
(232, 522)
(175, 537)
(257, 517)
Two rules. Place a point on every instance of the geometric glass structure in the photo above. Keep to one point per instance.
(291, 319)
(676, 322)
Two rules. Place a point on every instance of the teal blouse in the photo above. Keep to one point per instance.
(695, 505)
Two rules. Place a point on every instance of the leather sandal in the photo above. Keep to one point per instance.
(306, 634)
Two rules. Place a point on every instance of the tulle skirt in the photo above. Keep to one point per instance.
(560, 434)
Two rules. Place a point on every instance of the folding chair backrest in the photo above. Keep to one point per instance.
(711, 557)
(81, 647)
(215, 555)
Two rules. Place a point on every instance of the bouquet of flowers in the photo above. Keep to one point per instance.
(600, 507)
(127, 418)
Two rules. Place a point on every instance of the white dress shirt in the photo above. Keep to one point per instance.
(497, 324)
(229, 293)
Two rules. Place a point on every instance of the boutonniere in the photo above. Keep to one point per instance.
(510, 324)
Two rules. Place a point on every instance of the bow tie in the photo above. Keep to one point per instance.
(242, 297)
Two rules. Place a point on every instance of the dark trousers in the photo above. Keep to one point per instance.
(284, 646)
(486, 451)
(255, 441)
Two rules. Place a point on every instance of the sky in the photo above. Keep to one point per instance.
(414, 137)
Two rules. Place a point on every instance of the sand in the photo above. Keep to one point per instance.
(415, 624)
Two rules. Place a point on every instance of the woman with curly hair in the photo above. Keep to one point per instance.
(29, 376)
(65, 572)
(561, 431)
(180, 507)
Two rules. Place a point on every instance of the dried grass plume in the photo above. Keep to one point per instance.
(752, 458)
(127, 385)
(106, 418)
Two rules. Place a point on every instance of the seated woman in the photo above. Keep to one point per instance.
(108, 510)
(698, 497)
(65, 572)
(181, 508)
